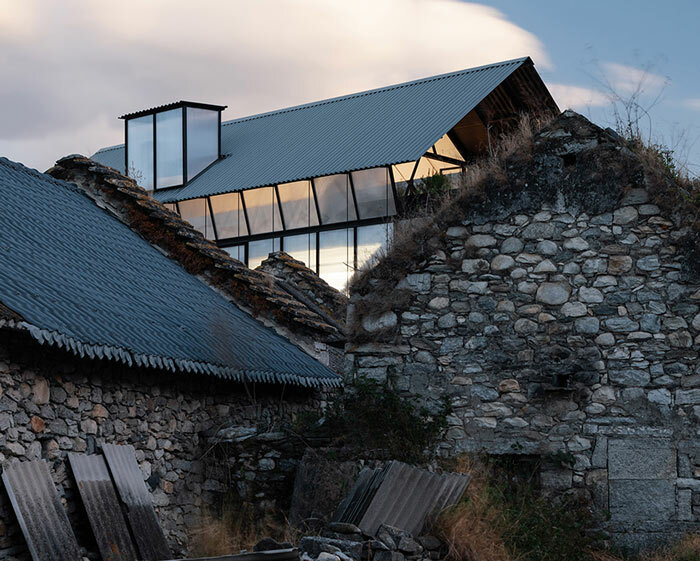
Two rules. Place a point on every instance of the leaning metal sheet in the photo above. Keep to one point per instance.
(132, 490)
(400, 495)
(41, 515)
(102, 506)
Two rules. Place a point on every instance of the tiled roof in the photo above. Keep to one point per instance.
(74, 276)
(374, 128)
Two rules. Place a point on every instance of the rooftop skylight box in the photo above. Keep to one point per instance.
(170, 145)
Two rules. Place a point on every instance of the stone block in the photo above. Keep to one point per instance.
(641, 459)
(641, 500)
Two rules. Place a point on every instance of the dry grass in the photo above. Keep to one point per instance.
(237, 528)
(474, 529)
(687, 549)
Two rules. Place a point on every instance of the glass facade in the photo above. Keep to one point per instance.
(229, 216)
(335, 201)
(262, 210)
(202, 139)
(370, 240)
(139, 156)
(298, 206)
(196, 212)
(302, 248)
(373, 192)
(336, 257)
(260, 249)
(169, 148)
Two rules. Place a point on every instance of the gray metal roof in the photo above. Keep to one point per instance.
(389, 125)
(82, 280)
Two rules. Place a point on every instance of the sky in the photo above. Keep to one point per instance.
(69, 68)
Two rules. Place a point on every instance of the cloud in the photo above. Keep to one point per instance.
(71, 67)
(693, 103)
(627, 79)
(577, 97)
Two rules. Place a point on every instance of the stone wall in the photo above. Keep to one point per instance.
(52, 403)
(564, 333)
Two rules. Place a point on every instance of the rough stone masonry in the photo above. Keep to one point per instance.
(560, 320)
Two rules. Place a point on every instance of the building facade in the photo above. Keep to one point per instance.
(323, 181)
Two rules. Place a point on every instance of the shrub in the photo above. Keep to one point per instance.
(370, 418)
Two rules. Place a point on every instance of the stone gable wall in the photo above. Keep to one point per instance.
(553, 331)
(52, 403)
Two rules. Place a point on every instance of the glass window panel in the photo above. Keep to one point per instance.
(228, 216)
(336, 256)
(260, 249)
(335, 199)
(202, 139)
(140, 150)
(302, 248)
(298, 205)
(445, 147)
(169, 148)
(370, 240)
(402, 174)
(263, 211)
(237, 252)
(196, 212)
(373, 192)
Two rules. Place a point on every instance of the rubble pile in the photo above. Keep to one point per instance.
(341, 541)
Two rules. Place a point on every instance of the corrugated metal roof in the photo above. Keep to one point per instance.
(131, 487)
(102, 506)
(39, 511)
(374, 128)
(399, 495)
(82, 280)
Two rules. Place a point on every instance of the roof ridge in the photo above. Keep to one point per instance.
(382, 89)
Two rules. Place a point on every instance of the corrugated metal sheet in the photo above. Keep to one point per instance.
(83, 281)
(367, 129)
(41, 515)
(102, 506)
(399, 495)
(132, 490)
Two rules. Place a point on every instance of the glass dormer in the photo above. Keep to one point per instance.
(169, 145)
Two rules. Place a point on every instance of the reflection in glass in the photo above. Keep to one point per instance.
(336, 257)
(298, 205)
(302, 248)
(445, 147)
(263, 211)
(259, 250)
(373, 193)
(370, 240)
(202, 139)
(196, 212)
(334, 199)
(228, 216)
(139, 142)
(237, 252)
(169, 148)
